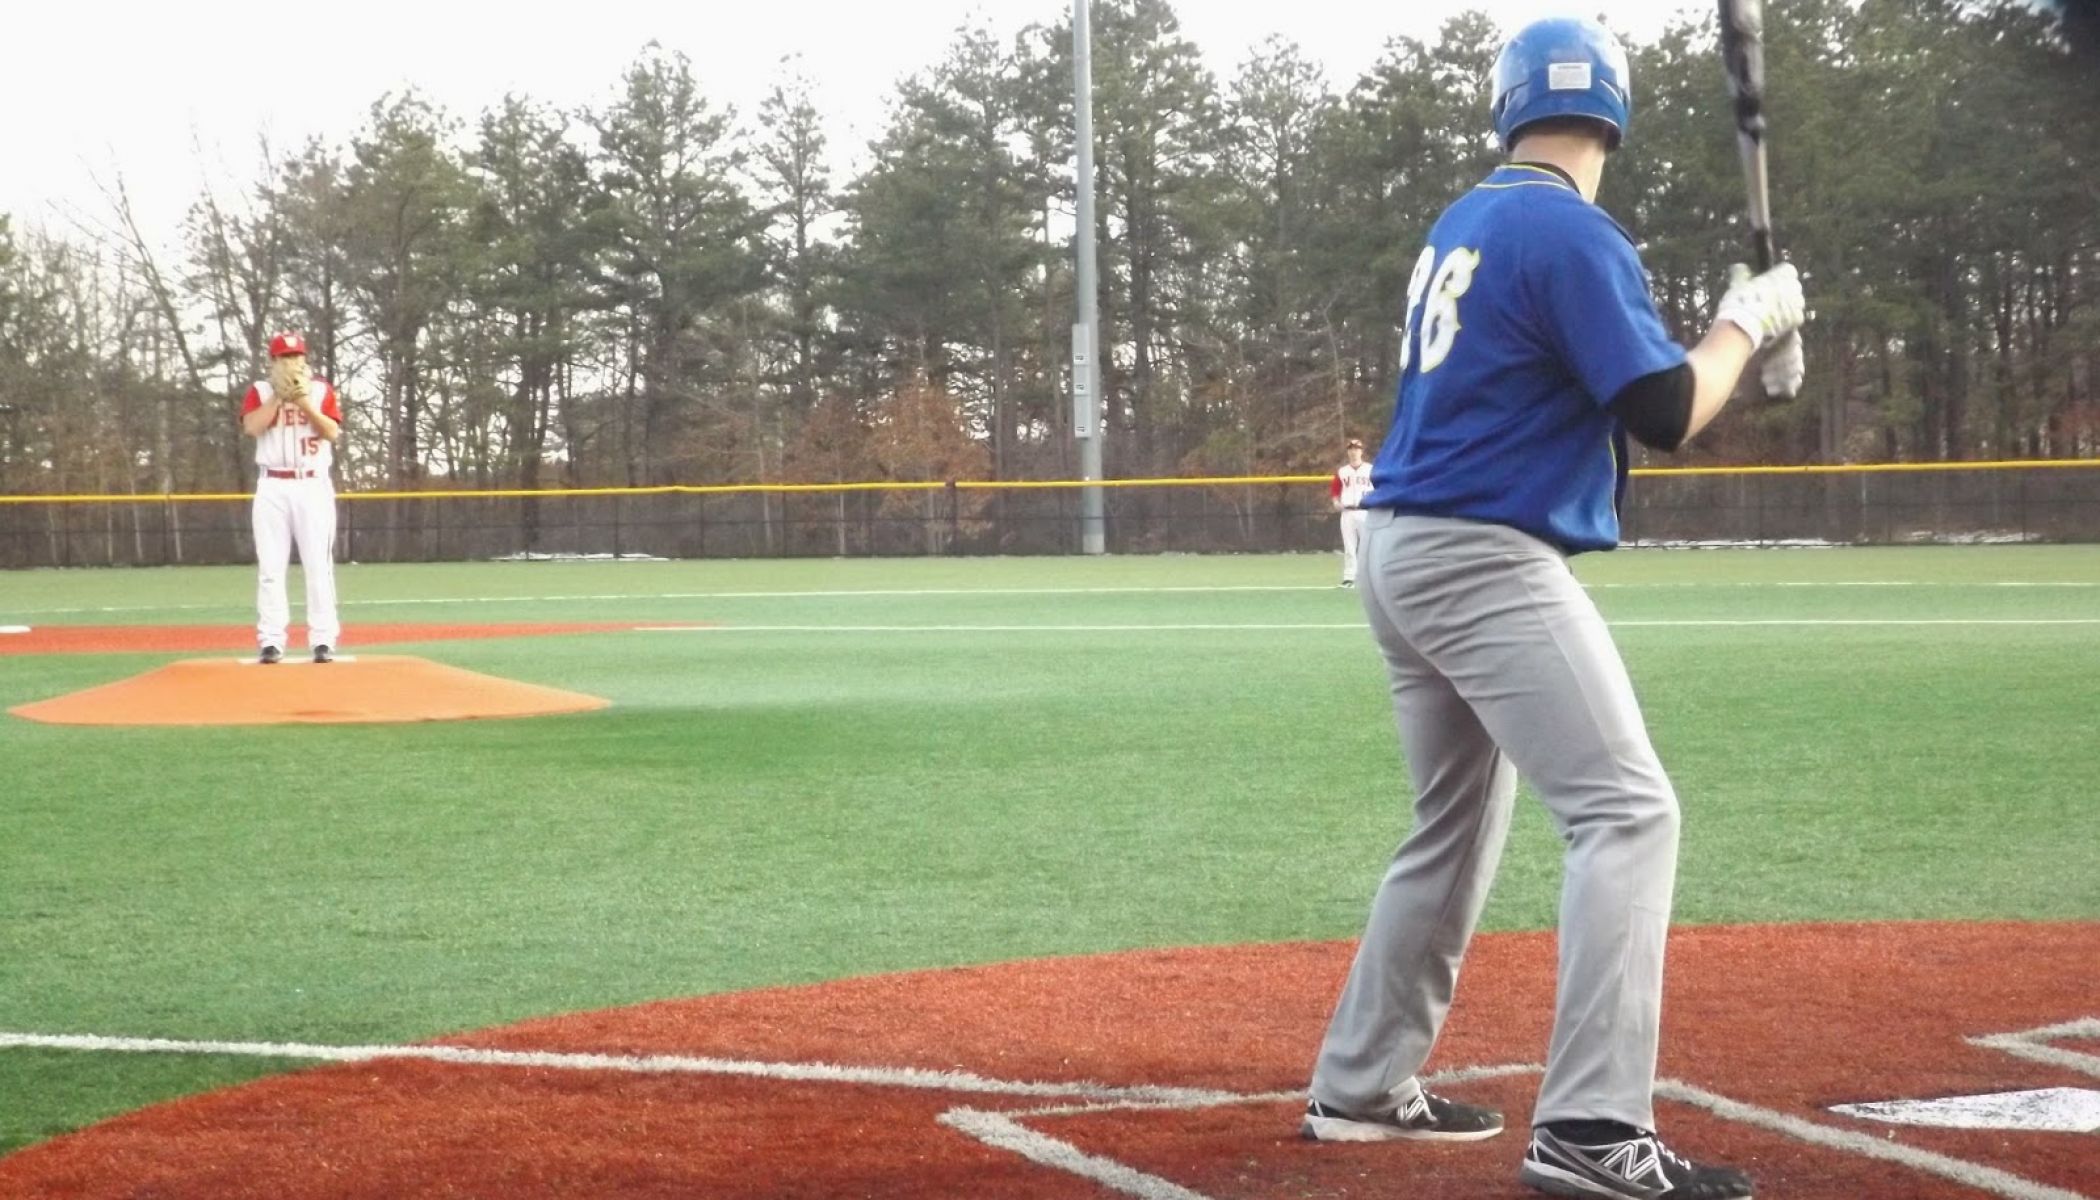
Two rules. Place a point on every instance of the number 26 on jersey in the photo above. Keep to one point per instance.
(1432, 305)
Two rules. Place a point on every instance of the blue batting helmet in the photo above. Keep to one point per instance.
(1562, 67)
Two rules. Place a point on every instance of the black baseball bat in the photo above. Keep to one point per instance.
(1743, 56)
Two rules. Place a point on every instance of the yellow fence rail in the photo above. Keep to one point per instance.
(1024, 485)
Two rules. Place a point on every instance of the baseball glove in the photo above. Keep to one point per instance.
(290, 378)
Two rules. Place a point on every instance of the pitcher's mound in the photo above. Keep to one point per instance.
(372, 688)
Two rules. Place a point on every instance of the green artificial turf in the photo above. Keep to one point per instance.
(764, 807)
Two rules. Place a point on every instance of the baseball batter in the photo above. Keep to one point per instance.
(1532, 350)
(1351, 483)
(295, 420)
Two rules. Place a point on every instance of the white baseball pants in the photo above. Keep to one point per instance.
(1352, 538)
(1501, 665)
(285, 513)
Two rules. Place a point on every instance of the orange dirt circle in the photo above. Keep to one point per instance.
(362, 689)
(1788, 1020)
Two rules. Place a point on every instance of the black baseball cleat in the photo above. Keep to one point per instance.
(270, 655)
(1426, 1118)
(1633, 1168)
(323, 654)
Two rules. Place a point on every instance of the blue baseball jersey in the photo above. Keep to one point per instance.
(1527, 313)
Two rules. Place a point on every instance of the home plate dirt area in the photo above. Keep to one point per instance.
(1169, 1075)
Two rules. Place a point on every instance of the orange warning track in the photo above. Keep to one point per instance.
(369, 689)
(155, 639)
(1786, 1020)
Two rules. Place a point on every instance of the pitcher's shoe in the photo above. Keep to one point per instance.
(269, 655)
(1427, 1117)
(1633, 1168)
(324, 654)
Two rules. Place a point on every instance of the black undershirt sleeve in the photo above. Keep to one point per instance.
(1657, 408)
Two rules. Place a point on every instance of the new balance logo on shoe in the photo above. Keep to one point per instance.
(1637, 1168)
(1638, 1161)
(1427, 1118)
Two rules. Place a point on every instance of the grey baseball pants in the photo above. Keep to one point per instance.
(1500, 665)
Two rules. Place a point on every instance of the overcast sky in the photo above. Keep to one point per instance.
(174, 96)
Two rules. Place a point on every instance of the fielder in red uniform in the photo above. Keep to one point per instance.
(295, 420)
(1346, 492)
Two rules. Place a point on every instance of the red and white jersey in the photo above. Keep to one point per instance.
(291, 443)
(1350, 484)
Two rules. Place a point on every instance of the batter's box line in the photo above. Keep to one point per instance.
(1005, 1131)
(2034, 1045)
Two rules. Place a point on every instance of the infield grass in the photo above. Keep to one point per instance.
(767, 807)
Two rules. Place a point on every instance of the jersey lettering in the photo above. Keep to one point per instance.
(1351, 484)
(1440, 324)
(291, 442)
(1437, 287)
(1417, 283)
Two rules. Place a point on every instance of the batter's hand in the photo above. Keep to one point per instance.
(1784, 369)
(1765, 307)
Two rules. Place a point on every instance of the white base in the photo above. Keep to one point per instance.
(2047, 1110)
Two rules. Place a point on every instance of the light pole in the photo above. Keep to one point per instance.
(1089, 419)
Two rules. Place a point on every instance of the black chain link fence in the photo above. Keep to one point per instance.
(2054, 505)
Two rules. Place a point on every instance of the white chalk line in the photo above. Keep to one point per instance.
(1003, 1131)
(2034, 1045)
(1035, 628)
(1443, 1078)
(1994, 1180)
(905, 593)
(800, 594)
(1358, 626)
(647, 1064)
(1813, 622)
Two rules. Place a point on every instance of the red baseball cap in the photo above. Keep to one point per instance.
(287, 343)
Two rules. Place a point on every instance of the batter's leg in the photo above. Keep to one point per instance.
(269, 515)
(314, 526)
(1532, 655)
(1400, 986)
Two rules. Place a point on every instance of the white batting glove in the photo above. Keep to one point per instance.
(1784, 368)
(1765, 307)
